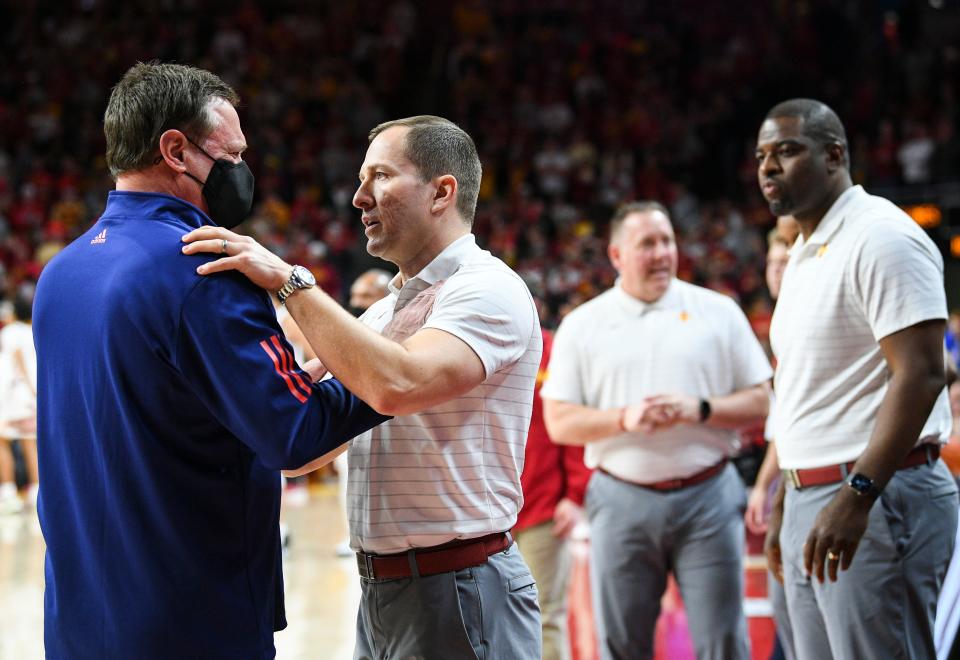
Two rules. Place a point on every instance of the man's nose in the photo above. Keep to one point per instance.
(362, 199)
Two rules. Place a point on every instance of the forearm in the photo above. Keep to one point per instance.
(376, 369)
(572, 424)
(741, 408)
(768, 469)
(904, 410)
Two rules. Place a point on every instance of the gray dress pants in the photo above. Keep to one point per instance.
(883, 605)
(638, 536)
(488, 612)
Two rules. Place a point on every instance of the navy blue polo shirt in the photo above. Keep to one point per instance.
(167, 404)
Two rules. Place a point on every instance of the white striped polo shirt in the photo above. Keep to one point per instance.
(453, 470)
(867, 272)
(615, 350)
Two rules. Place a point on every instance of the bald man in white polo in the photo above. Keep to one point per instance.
(653, 376)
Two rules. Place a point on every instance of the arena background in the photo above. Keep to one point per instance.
(576, 106)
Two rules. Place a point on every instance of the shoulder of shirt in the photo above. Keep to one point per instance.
(703, 295)
(880, 220)
(584, 312)
(488, 269)
(481, 261)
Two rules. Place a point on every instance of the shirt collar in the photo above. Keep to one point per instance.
(443, 265)
(833, 220)
(671, 299)
(135, 204)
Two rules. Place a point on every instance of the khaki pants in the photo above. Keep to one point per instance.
(549, 560)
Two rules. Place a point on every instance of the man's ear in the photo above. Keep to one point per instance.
(836, 156)
(613, 253)
(446, 193)
(172, 144)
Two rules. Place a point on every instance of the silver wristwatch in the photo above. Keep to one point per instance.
(300, 278)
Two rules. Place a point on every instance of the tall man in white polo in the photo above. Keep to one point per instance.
(653, 376)
(866, 527)
(453, 354)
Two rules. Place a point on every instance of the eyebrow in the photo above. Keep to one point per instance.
(373, 166)
(780, 143)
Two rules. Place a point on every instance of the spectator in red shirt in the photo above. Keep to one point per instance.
(554, 480)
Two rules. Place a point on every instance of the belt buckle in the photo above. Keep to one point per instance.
(365, 566)
(794, 477)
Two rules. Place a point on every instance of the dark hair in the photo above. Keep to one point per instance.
(820, 122)
(152, 98)
(437, 146)
(23, 307)
(646, 206)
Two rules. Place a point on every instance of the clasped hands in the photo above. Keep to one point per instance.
(656, 413)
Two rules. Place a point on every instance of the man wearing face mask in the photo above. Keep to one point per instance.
(168, 402)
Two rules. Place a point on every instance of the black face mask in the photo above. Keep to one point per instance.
(228, 190)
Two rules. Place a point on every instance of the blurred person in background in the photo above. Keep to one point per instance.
(372, 285)
(167, 402)
(653, 376)
(18, 392)
(768, 477)
(453, 352)
(554, 480)
(947, 620)
(864, 533)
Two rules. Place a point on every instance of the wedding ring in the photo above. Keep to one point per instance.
(832, 556)
(223, 246)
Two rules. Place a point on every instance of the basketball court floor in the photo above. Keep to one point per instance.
(322, 592)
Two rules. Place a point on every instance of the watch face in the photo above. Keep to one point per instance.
(860, 483)
(305, 276)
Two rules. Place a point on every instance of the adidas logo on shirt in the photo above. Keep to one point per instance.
(99, 238)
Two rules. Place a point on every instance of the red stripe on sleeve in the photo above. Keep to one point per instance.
(276, 365)
(288, 364)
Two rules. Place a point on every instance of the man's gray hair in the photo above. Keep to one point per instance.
(645, 206)
(437, 146)
(152, 98)
(820, 122)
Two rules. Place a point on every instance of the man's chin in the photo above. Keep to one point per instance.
(374, 249)
(779, 207)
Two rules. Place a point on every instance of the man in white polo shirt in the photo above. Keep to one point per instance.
(866, 527)
(653, 376)
(432, 492)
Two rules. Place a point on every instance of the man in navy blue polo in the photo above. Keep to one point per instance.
(168, 401)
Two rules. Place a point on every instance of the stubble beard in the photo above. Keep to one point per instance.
(782, 206)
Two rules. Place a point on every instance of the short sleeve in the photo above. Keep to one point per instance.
(232, 352)
(747, 359)
(898, 277)
(564, 380)
(492, 312)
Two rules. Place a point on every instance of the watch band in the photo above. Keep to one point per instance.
(705, 410)
(300, 278)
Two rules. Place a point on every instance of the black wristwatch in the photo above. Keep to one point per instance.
(863, 485)
(300, 278)
(705, 410)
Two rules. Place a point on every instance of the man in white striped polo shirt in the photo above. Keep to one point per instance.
(653, 376)
(866, 527)
(433, 491)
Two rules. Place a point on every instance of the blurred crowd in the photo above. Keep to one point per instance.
(576, 106)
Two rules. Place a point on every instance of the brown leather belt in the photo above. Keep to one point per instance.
(676, 484)
(452, 556)
(832, 474)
